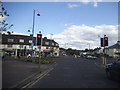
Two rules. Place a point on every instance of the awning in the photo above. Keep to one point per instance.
(10, 51)
(46, 50)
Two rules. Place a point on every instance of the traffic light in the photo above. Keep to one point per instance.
(105, 41)
(39, 37)
(102, 43)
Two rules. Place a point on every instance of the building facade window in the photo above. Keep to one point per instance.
(30, 41)
(57, 45)
(10, 40)
(52, 44)
(10, 46)
(21, 40)
(46, 43)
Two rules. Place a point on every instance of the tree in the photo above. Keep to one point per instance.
(3, 14)
(70, 51)
(86, 50)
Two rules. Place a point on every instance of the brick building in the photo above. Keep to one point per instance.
(20, 45)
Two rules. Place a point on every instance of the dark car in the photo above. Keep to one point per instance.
(113, 70)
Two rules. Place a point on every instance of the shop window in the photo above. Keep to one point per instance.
(9, 46)
(21, 46)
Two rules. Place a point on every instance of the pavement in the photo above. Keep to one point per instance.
(15, 72)
(99, 61)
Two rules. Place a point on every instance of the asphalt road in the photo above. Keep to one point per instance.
(70, 72)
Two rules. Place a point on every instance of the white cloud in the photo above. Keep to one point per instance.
(95, 4)
(72, 5)
(59, 0)
(2, 18)
(78, 36)
(68, 24)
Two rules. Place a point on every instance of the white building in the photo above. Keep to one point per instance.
(114, 50)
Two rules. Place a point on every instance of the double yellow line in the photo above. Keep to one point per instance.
(37, 78)
(33, 79)
(25, 80)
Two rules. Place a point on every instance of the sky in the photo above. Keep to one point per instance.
(72, 24)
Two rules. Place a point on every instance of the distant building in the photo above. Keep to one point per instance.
(98, 51)
(114, 50)
(62, 52)
(20, 45)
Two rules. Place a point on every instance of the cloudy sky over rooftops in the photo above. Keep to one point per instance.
(73, 24)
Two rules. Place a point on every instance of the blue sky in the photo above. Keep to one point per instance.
(57, 17)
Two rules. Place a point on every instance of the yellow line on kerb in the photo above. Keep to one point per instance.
(31, 84)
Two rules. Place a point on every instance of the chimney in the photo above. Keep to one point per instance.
(45, 37)
(31, 35)
(118, 42)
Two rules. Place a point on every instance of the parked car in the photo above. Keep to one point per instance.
(113, 70)
(76, 56)
(91, 57)
(33, 55)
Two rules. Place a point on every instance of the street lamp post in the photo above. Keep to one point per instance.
(89, 46)
(51, 53)
(33, 29)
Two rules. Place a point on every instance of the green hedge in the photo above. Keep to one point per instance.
(54, 56)
(47, 61)
(43, 60)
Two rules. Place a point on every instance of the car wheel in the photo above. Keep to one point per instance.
(108, 75)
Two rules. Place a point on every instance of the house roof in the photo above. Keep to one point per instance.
(114, 46)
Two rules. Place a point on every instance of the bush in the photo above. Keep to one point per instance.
(43, 60)
(54, 56)
(46, 61)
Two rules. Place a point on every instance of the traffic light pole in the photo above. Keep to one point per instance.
(104, 60)
(40, 53)
(39, 42)
(41, 48)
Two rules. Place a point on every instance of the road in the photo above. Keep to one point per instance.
(70, 72)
